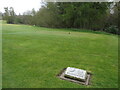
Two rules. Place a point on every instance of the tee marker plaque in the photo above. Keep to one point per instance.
(75, 75)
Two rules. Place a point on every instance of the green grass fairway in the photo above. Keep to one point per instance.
(33, 56)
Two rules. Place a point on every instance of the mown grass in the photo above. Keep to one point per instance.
(33, 56)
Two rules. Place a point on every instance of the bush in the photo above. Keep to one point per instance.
(10, 19)
(113, 29)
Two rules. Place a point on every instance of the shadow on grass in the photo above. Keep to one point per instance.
(89, 31)
(81, 30)
(73, 29)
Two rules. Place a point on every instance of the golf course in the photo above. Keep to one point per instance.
(33, 56)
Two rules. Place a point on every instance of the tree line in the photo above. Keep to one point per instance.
(97, 16)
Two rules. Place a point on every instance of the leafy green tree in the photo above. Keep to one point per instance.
(6, 14)
(9, 15)
(83, 15)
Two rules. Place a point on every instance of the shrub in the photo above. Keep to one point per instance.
(113, 29)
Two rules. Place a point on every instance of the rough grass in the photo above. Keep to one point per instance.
(33, 56)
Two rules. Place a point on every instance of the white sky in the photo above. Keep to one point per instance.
(20, 6)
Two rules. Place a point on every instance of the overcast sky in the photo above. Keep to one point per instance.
(20, 6)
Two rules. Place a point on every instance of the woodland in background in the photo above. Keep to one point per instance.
(81, 15)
